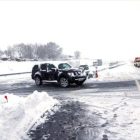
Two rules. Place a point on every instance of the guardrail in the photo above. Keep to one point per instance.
(14, 73)
(116, 65)
(111, 66)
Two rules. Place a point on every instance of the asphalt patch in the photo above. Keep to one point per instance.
(71, 122)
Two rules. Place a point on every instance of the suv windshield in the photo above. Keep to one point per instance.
(64, 66)
(84, 67)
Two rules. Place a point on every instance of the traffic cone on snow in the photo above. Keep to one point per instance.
(96, 74)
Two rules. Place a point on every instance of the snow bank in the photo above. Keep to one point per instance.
(19, 114)
(121, 73)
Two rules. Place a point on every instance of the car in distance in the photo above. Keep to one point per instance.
(100, 63)
(84, 68)
(137, 62)
(61, 73)
(97, 62)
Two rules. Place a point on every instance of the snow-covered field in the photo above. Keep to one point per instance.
(121, 73)
(119, 117)
(7, 67)
(19, 114)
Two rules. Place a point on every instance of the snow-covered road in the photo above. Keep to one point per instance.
(105, 107)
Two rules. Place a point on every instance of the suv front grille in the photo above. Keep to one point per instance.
(77, 73)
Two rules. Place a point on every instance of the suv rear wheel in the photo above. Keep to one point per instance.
(64, 82)
(38, 81)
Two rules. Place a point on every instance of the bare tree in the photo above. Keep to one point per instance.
(19, 49)
(9, 52)
(53, 51)
(35, 48)
(41, 52)
(22, 50)
(77, 54)
(1, 53)
(27, 51)
(50, 51)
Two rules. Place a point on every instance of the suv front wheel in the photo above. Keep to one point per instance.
(64, 82)
(38, 81)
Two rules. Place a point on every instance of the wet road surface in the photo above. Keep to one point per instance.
(69, 123)
(54, 89)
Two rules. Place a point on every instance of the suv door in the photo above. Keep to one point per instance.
(43, 70)
(52, 72)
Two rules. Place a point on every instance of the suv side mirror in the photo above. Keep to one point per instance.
(87, 68)
(81, 68)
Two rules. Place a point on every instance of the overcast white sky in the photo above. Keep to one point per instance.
(99, 29)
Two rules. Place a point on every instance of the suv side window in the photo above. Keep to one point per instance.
(51, 66)
(35, 67)
(60, 66)
(43, 67)
(64, 66)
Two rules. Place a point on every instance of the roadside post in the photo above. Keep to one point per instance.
(6, 98)
(96, 72)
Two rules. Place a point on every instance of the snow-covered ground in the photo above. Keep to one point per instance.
(19, 114)
(118, 116)
(7, 67)
(121, 73)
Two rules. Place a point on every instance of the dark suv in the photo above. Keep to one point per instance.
(61, 73)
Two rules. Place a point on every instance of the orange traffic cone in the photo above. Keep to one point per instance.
(96, 74)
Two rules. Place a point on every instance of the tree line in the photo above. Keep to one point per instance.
(50, 51)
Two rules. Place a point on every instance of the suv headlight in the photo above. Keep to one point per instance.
(70, 74)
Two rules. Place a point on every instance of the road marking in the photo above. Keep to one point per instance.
(137, 84)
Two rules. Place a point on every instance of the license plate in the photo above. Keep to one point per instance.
(80, 79)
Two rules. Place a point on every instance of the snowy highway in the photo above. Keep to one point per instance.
(100, 109)
(70, 70)
(119, 79)
(127, 88)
